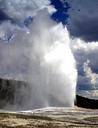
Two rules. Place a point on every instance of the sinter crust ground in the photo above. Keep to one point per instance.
(50, 118)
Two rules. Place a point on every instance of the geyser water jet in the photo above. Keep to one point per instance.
(42, 56)
(53, 74)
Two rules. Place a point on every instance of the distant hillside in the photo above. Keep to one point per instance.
(86, 102)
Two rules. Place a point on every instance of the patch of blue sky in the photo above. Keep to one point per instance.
(61, 15)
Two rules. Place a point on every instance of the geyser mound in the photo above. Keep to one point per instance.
(41, 56)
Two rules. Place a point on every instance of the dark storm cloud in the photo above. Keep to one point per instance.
(3, 16)
(83, 21)
(86, 29)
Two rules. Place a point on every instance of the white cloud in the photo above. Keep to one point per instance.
(88, 72)
(22, 8)
(93, 77)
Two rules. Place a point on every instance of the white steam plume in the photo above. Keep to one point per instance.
(43, 57)
(53, 65)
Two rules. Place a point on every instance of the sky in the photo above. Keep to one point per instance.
(79, 16)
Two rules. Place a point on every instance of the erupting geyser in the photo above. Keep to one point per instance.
(53, 69)
(42, 56)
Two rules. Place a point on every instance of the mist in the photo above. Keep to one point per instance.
(41, 56)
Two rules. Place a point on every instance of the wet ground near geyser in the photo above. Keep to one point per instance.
(50, 118)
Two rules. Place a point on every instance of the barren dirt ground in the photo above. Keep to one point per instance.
(50, 118)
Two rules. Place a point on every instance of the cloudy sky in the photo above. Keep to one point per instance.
(79, 16)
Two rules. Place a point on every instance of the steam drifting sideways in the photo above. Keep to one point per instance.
(41, 55)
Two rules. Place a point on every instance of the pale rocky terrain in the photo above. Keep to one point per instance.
(50, 118)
